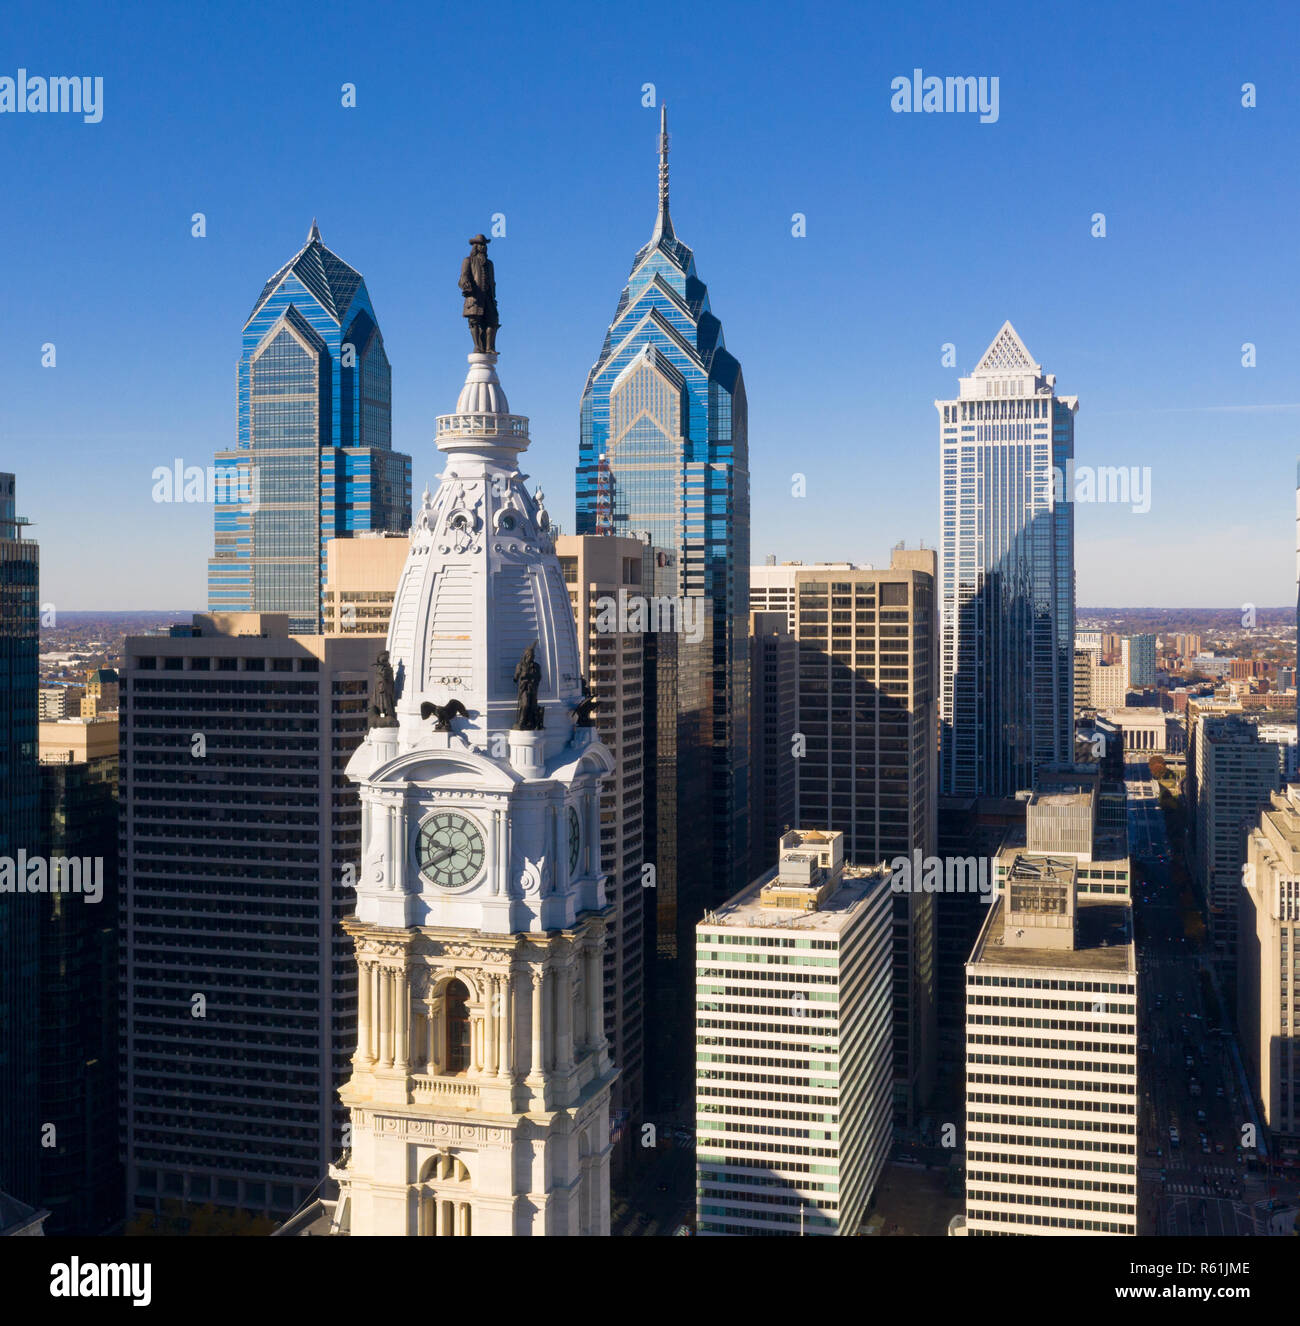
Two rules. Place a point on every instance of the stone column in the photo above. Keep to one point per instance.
(507, 1027)
(462, 1219)
(363, 1014)
(596, 997)
(401, 1020)
(444, 1217)
(385, 1018)
(396, 854)
(490, 1030)
(536, 1067)
(591, 849)
(564, 1020)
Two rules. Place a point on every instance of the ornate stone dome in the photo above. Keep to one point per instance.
(482, 583)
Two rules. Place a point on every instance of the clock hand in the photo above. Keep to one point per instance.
(442, 856)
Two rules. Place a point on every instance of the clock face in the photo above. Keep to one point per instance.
(451, 849)
(575, 839)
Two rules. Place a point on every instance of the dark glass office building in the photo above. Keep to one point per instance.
(239, 985)
(313, 459)
(20, 912)
(664, 456)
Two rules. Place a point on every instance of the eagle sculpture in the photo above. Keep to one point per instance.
(444, 713)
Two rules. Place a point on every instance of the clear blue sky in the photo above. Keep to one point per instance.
(921, 229)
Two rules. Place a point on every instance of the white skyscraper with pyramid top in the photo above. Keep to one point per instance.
(1006, 574)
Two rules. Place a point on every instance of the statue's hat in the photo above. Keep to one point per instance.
(480, 239)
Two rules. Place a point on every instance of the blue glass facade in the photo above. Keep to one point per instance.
(313, 458)
(20, 793)
(663, 456)
(1007, 575)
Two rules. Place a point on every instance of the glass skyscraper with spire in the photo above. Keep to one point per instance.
(313, 457)
(664, 457)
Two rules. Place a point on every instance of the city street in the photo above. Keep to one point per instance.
(661, 1196)
(1196, 1178)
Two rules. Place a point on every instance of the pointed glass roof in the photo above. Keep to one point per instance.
(329, 279)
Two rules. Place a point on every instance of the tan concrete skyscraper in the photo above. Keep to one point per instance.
(866, 766)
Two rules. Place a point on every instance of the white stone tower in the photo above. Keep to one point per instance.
(481, 1080)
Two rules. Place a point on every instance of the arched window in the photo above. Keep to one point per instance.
(444, 1208)
(458, 1029)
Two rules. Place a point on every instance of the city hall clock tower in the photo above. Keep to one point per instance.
(480, 1085)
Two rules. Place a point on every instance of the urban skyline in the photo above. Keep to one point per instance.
(764, 841)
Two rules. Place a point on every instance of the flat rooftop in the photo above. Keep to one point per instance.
(746, 912)
(1064, 797)
(1103, 933)
(1109, 846)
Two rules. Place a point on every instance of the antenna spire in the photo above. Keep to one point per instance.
(663, 222)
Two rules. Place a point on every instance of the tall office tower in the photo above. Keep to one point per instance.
(1297, 591)
(1236, 773)
(664, 412)
(361, 574)
(1007, 590)
(774, 717)
(481, 1081)
(240, 839)
(20, 912)
(1268, 984)
(793, 974)
(1051, 1103)
(1139, 657)
(80, 1173)
(867, 658)
(313, 458)
(601, 572)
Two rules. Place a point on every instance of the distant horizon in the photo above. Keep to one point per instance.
(1078, 612)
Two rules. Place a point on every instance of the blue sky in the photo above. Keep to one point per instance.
(921, 230)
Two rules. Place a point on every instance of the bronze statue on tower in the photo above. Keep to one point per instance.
(478, 283)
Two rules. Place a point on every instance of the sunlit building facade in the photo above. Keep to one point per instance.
(313, 458)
